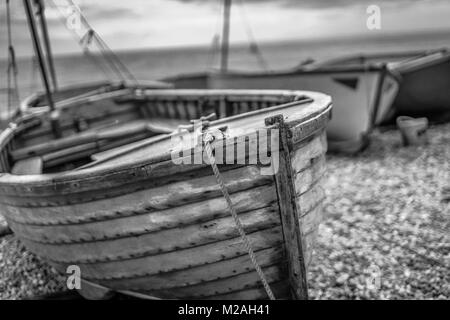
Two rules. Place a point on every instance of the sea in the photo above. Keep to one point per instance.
(152, 64)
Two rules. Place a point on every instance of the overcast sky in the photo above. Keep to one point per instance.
(161, 23)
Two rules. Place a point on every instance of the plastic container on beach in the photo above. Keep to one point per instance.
(413, 130)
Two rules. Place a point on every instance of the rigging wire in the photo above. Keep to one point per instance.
(84, 42)
(215, 43)
(92, 37)
(87, 52)
(12, 71)
(114, 59)
(212, 52)
(115, 62)
(254, 47)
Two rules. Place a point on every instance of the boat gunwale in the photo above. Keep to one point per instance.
(412, 65)
(407, 54)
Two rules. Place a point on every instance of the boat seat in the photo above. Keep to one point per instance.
(157, 125)
(33, 165)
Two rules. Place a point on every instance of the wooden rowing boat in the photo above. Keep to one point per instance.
(109, 198)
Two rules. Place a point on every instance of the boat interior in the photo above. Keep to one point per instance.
(70, 93)
(130, 124)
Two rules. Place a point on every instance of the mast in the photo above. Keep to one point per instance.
(225, 36)
(38, 52)
(43, 22)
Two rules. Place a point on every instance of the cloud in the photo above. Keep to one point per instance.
(317, 4)
(162, 23)
(115, 11)
(95, 10)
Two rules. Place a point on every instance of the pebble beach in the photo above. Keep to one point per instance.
(385, 235)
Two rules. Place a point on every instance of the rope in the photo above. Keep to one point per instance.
(95, 61)
(246, 242)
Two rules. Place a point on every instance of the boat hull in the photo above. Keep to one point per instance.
(424, 87)
(424, 79)
(157, 229)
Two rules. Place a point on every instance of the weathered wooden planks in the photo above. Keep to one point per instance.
(280, 290)
(305, 179)
(307, 151)
(141, 221)
(177, 259)
(222, 286)
(309, 199)
(199, 274)
(308, 163)
(158, 242)
(311, 220)
(184, 190)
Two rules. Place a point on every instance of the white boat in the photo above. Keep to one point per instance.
(362, 95)
(424, 79)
